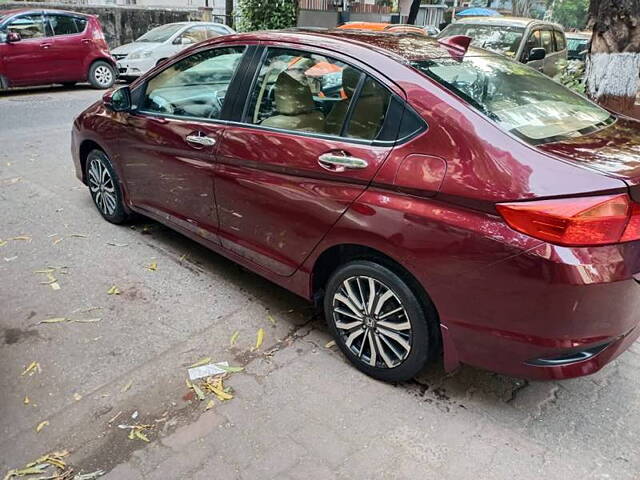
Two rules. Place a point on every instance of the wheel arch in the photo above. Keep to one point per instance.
(85, 148)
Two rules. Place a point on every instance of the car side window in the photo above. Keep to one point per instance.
(547, 41)
(63, 24)
(213, 31)
(308, 92)
(560, 41)
(81, 24)
(193, 35)
(27, 26)
(532, 42)
(195, 86)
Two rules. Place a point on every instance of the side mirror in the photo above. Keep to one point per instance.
(537, 54)
(183, 41)
(13, 37)
(118, 100)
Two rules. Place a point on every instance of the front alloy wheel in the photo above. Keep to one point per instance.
(105, 187)
(379, 321)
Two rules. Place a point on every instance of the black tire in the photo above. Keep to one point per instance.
(102, 75)
(113, 209)
(422, 320)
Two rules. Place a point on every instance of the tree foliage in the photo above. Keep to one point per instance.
(570, 13)
(267, 14)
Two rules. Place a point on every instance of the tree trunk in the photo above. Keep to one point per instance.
(413, 12)
(228, 12)
(521, 8)
(613, 64)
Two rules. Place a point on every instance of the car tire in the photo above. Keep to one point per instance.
(403, 341)
(104, 187)
(102, 75)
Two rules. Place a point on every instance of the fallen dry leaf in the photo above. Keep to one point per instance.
(234, 337)
(260, 338)
(114, 291)
(78, 235)
(24, 238)
(153, 266)
(330, 344)
(77, 397)
(41, 425)
(31, 369)
(210, 405)
(114, 244)
(127, 386)
(202, 361)
(54, 320)
(26, 400)
(271, 319)
(199, 393)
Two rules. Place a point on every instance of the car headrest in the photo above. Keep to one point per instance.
(292, 97)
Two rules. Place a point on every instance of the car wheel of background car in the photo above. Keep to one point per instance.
(105, 187)
(378, 321)
(101, 75)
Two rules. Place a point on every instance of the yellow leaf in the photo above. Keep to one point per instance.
(140, 435)
(330, 344)
(199, 392)
(271, 319)
(221, 394)
(210, 405)
(41, 425)
(78, 235)
(55, 286)
(113, 291)
(54, 320)
(3, 243)
(77, 396)
(260, 338)
(32, 368)
(26, 400)
(27, 471)
(46, 270)
(86, 320)
(202, 361)
(153, 266)
(131, 434)
(234, 337)
(25, 238)
(127, 386)
(58, 240)
(189, 385)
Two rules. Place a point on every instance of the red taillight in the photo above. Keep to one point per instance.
(576, 221)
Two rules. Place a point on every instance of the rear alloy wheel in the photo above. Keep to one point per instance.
(101, 75)
(105, 188)
(377, 321)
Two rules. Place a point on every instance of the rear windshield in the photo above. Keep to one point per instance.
(497, 38)
(160, 34)
(518, 98)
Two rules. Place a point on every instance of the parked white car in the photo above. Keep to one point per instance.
(134, 59)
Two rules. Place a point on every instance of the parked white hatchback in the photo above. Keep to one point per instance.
(134, 59)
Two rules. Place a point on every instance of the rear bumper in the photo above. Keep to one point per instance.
(550, 313)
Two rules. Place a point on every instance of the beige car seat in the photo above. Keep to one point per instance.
(295, 107)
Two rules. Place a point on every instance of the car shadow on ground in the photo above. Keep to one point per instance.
(43, 90)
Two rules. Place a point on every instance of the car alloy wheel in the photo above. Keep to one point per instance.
(102, 187)
(103, 76)
(372, 322)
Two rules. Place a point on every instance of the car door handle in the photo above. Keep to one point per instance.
(86, 41)
(339, 163)
(201, 140)
(45, 45)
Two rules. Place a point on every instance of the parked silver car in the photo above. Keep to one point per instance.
(539, 44)
(163, 42)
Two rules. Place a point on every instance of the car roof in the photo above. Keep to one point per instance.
(504, 21)
(402, 47)
(17, 11)
(192, 23)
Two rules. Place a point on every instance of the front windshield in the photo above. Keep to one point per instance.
(518, 98)
(497, 38)
(160, 34)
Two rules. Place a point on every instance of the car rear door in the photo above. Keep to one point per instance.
(70, 46)
(167, 154)
(308, 139)
(28, 61)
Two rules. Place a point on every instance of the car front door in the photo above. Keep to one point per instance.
(28, 61)
(549, 62)
(308, 142)
(70, 46)
(533, 41)
(168, 152)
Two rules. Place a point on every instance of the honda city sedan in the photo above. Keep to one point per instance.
(434, 199)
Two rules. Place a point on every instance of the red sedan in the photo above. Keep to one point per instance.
(431, 198)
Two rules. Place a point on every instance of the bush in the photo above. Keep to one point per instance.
(267, 14)
(573, 76)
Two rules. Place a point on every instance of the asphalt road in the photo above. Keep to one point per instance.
(299, 410)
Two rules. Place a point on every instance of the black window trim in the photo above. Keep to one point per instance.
(138, 93)
(240, 118)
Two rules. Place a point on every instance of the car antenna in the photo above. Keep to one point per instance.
(457, 44)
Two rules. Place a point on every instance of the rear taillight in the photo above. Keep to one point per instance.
(580, 221)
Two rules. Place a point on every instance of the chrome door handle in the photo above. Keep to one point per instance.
(339, 163)
(201, 140)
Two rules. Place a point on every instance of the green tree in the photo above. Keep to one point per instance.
(570, 13)
(267, 14)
